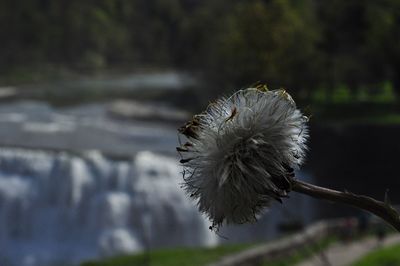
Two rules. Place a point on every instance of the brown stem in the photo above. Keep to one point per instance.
(381, 209)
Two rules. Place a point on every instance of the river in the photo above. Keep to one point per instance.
(77, 183)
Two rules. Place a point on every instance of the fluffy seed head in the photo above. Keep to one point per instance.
(240, 153)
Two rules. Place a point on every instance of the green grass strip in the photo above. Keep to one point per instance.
(172, 257)
(389, 256)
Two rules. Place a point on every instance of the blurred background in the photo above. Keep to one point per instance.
(91, 94)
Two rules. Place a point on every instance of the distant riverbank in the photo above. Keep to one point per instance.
(169, 86)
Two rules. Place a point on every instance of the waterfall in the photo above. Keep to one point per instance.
(56, 207)
(59, 208)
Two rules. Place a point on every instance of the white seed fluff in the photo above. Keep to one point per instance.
(240, 154)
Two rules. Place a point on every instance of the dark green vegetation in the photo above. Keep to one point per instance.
(344, 106)
(382, 257)
(172, 257)
(339, 59)
(202, 256)
(303, 45)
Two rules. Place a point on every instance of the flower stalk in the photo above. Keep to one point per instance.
(381, 209)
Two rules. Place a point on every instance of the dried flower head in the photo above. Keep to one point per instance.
(241, 152)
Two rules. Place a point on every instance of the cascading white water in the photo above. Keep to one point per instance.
(58, 208)
(63, 208)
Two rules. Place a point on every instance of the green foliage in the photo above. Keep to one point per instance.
(203, 256)
(383, 257)
(301, 45)
(386, 94)
(264, 41)
(171, 257)
(320, 95)
(362, 95)
(341, 94)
